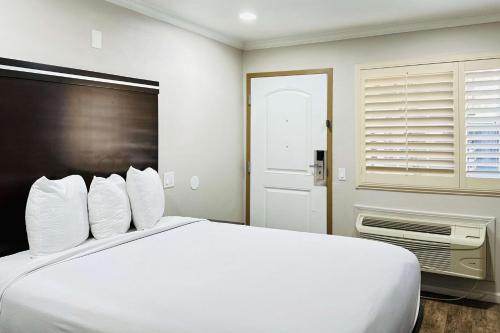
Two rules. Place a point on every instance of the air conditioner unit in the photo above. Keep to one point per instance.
(443, 246)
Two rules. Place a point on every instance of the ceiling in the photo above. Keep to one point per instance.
(292, 22)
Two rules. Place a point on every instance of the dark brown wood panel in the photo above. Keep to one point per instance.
(56, 129)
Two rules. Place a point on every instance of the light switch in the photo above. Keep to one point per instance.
(341, 174)
(169, 179)
(96, 39)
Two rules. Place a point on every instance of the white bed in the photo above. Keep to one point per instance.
(189, 275)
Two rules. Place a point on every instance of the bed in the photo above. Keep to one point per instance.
(185, 274)
(191, 275)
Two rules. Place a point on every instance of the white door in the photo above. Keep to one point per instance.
(288, 138)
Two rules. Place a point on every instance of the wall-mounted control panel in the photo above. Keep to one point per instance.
(341, 174)
(320, 168)
(195, 183)
(96, 37)
(169, 179)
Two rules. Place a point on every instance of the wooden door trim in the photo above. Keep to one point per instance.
(329, 137)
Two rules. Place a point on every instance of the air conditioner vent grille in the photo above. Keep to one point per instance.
(431, 255)
(403, 225)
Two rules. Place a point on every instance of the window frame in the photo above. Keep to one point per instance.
(464, 185)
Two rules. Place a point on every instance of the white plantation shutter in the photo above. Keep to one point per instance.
(431, 126)
(410, 125)
(482, 123)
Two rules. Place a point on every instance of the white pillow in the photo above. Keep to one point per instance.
(109, 207)
(146, 197)
(56, 215)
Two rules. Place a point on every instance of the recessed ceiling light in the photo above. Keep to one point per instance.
(247, 16)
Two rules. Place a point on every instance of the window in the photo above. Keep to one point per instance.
(481, 124)
(410, 123)
(430, 126)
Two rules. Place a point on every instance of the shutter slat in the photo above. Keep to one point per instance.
(423, 116)
(409, 132)
(409, 125)
(402, 109)
(402, 92)
(411, 158)
(404, 149)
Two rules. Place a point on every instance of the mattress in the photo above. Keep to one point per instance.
(189, 275)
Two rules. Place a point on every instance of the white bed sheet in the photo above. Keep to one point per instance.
(200, 276)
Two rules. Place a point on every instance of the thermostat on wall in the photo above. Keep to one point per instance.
(195, 182)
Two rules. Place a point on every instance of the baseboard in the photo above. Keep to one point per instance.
(479, 295)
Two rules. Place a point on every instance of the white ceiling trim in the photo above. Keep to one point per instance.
(162, 16)
(329, 36)
(368, 31)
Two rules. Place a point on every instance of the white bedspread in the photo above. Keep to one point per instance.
(199, 276)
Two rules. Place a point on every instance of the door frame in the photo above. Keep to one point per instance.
(329, 137)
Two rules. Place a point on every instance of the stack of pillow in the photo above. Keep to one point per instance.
(59, 213)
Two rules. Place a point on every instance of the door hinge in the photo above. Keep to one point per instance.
(328, 123)
(249, 167)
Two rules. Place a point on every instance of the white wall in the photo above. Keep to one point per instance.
(200, 88)
(343, 56)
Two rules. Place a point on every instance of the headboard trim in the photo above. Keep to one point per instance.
(89, 82)
(7, 63)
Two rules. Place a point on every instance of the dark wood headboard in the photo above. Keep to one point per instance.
(57, 121)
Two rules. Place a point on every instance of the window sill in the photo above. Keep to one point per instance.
(431, 190)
